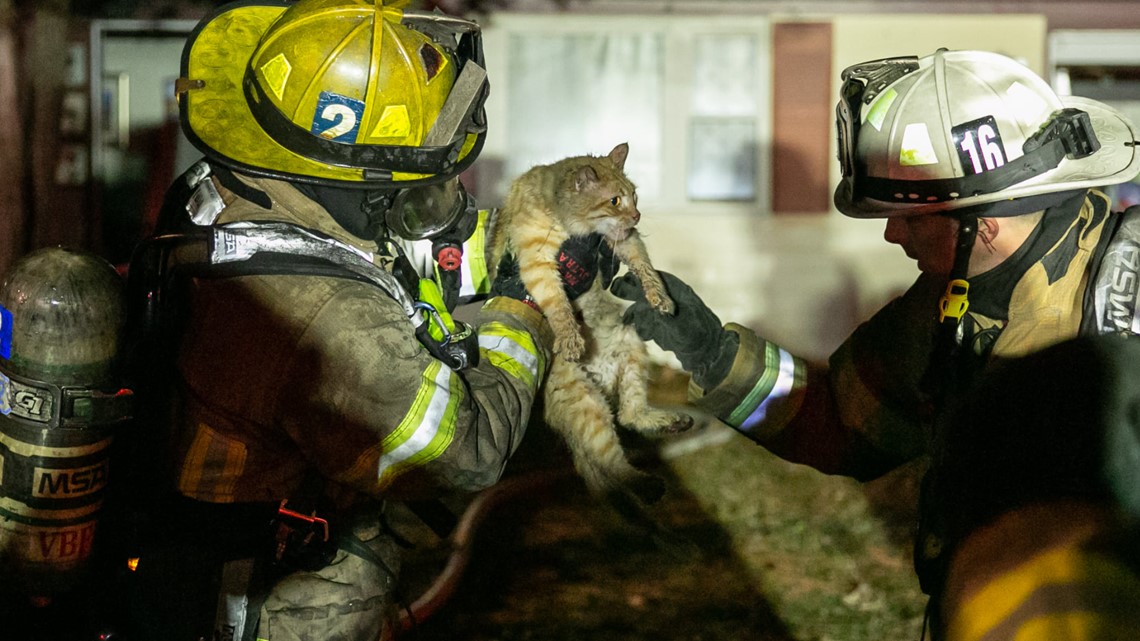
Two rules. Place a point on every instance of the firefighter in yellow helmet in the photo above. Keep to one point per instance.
(987, 180)
(300, 284)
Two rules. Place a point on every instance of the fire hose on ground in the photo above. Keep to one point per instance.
(462, 545)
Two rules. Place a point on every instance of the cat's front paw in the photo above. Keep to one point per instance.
(570, 346)
(660, 302)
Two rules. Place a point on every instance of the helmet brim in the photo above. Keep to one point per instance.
(1117, 161)
(217, 120)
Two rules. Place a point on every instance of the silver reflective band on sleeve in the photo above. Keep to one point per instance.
(778, 390)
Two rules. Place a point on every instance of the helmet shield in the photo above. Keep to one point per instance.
(965, 129)
(342, 93)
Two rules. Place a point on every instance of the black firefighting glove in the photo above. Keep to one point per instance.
(581, 259)
(693, 333)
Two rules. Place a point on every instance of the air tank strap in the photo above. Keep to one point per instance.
(258, 248)
(51, 405)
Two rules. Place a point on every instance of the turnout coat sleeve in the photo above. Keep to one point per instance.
(859, 414)
(864, 413)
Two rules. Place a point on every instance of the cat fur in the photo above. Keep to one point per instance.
(599, 377)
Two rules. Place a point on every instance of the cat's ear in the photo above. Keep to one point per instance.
(585, 176)
(618, 155)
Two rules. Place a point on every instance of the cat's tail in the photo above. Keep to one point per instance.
(636, 514)
(618, 475)
(630, 496)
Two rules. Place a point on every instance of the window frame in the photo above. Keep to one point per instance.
(679, 34)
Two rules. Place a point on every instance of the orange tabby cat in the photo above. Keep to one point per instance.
(600, 365)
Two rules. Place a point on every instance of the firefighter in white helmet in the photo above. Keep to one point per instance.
(986, 178)
(301, 282)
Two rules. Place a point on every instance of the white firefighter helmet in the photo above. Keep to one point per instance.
(962, 129)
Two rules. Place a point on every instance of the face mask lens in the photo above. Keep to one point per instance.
(422, 212)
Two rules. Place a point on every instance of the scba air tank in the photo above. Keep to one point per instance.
(61, 320)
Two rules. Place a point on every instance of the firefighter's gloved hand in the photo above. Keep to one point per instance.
(693, 333)
(507, 281)
(580, 259)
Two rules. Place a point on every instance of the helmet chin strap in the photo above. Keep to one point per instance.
(952, 307)
(964, 246)
(376, 204)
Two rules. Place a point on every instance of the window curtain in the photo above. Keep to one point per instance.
(722, 127)
(575, 94)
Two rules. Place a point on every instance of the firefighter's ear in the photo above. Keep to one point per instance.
(988, 229)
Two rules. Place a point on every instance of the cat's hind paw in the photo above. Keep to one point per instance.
(681, 423)
(570, 347)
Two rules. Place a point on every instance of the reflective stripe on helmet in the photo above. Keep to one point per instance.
(1068, 134)
(378, 158)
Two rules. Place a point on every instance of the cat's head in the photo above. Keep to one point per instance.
(604, 199)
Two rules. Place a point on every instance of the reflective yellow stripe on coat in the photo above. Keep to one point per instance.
(428, 427)
(512, 351)
(1071, 593)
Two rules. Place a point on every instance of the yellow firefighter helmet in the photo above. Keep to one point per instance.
(335, 92)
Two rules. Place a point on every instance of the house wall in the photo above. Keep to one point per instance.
(807, 275)
(806, 278)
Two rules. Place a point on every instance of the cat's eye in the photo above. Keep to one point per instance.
(615, 201)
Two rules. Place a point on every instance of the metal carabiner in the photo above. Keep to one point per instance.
(458, 348)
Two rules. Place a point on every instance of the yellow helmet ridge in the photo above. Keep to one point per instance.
(335, 91)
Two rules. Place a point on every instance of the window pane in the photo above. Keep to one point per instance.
(724, 75)
(722, 129)
(572, 94)
(722, 159)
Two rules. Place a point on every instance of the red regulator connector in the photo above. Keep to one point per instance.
(449, 258)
